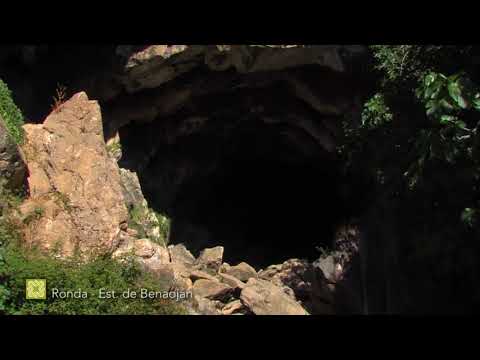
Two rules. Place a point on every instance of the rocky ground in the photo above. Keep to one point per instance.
(294, 287)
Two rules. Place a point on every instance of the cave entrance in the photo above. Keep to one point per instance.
(265, 192)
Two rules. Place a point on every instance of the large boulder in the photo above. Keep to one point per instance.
(210, 259)
(204, 306)
(328, 266)
(172, 275)
(234, 307)
(12, 167)
(242, 271)
(264, 298)
(198, 275)
(180, 254)
(232, 281)
(304, 282)
(146, 251)
(75, 193)
(211, 289)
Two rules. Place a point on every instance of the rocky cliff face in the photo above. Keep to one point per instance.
(74, 186)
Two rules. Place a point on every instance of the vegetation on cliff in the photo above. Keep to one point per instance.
(17, 265)
(10, 114)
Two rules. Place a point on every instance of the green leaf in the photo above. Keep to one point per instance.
(455, 92)
(476, 104)
(430, 78)
(454, 77)
(447, 105)
(445, 119)
(468, 216)
(460, 124)
(432, 107)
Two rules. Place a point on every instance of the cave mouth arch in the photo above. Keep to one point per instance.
(266, 192)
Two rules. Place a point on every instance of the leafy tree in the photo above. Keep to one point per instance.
(418, 145)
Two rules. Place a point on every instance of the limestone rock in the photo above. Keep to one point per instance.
(205, 306)
(211, 258)
(74, 182)
(307, 284)
(213, 290)
(12, 167)
(131, 189)
(151, 67)
(132, 232)
(154, 65)
(264, 298)
(149, 254)
(234, 307)
(198, 274)
(224, 268)
(171, 276)
(231, 281)
(180, 254)
(144, 248)
(328, 267)
(242, 271)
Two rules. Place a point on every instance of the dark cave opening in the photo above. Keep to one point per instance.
(266, 192)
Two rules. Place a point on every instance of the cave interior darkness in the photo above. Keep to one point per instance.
(266, 192)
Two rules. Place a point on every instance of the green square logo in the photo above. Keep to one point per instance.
(36, 289)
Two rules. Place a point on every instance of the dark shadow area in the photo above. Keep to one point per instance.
(262, 211)
(258, 193)
(33, 76)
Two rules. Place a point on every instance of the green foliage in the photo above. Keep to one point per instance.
(114, 147)
(469, 216)
(9, 232)
(144, 220)
(10, 198)
(419, 118)
(10, 114)
(70, 275)
(63, 200)
(36, 214)
(137, 213)
(397, 62)
(376, 113)
(164, 224)
(419, 150)
(402, 66)
(445, 97)
(136, 220)
(9, 201)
